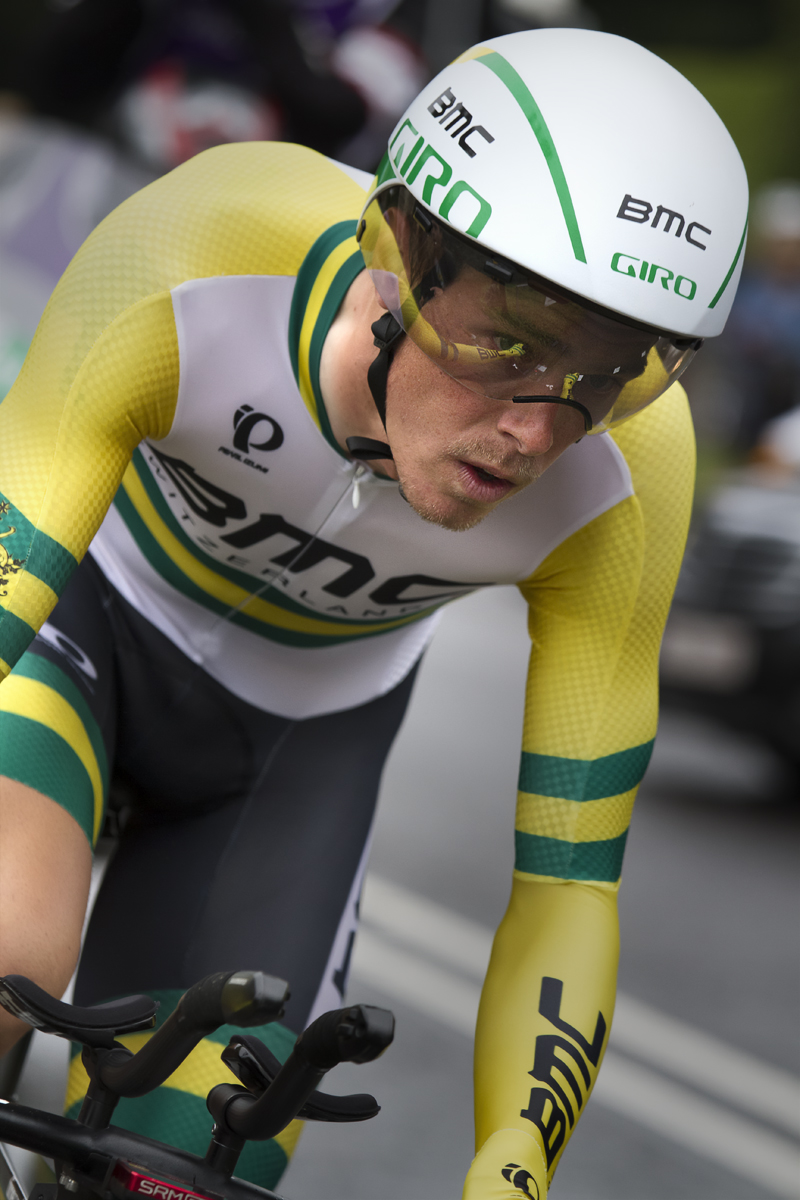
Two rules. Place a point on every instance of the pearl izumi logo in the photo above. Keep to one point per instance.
(521, 1179)
(253, 431)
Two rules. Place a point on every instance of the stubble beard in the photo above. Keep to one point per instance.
(437, 511)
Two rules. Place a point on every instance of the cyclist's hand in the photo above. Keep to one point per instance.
(509, 1166)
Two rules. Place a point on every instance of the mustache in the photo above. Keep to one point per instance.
(518, 468)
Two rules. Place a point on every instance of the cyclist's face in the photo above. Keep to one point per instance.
(458, 451)
(507, 341)
(459, 454)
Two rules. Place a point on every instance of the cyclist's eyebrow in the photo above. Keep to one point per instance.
(517, 325)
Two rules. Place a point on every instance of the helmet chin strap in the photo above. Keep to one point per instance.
(386, 332)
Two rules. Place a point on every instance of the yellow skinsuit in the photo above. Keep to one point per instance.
(104, 374)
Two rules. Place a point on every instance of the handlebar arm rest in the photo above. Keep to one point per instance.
(242, 998)
(96, 1026)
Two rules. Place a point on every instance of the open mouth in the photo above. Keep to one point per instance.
(483, 485)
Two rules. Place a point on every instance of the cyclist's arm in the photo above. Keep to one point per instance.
(597, 610)
(93, 385)
(101, 373)
(103, 369)
(45, 867)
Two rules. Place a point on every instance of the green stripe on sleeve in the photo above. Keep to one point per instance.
(15, 636)
(307, 277)
(341, 282)
(519, 90)
(41, 555)
(35, 755)
(584, 779)
(582, 861)
(33, 666)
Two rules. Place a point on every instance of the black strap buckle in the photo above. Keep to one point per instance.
(366, 449)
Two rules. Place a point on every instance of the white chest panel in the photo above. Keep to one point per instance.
(255, 486)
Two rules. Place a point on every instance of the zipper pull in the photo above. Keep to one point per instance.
(359, 472)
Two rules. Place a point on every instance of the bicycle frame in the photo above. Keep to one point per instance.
(112, 1162)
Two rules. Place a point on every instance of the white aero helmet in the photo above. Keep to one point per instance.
(560, 216)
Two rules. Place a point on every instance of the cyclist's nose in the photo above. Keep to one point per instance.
(532, 426)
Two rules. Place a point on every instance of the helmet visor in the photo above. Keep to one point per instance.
(505, 333)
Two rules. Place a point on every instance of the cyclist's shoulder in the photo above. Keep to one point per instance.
(245, 208)
(250, 209)
(659, 440)
(659, 449)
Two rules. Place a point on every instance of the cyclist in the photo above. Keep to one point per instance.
(211, 375)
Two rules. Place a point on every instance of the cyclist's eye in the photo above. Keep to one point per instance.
(602, 384)
(507, 344)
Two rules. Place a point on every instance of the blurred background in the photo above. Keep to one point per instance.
(699, 1096)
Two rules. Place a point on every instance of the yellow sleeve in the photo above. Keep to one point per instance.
(597, 610)
(66, 436)
(103, 370)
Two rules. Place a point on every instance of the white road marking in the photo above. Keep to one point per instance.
(438, 931)
(696, 1057)
(412, 949)
(709, 1130)
(431, 990)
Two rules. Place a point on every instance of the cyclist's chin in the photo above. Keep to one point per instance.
(442, 509)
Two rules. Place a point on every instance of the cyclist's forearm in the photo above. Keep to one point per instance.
(45, 868)
(543, 1027)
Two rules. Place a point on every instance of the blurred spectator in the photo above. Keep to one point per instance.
(383, 64)
(172, 77)
(164, 79)
(763, 336)
(779, 444)
(55, 186)
(509, 16)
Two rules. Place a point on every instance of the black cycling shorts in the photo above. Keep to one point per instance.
(245, 838)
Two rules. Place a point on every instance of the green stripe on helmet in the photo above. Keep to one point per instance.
(519, 90)
(732, 267)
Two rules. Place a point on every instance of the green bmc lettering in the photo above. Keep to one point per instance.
(412, 157)
(650, 272)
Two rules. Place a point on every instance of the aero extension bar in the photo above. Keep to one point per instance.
(97, 1159)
